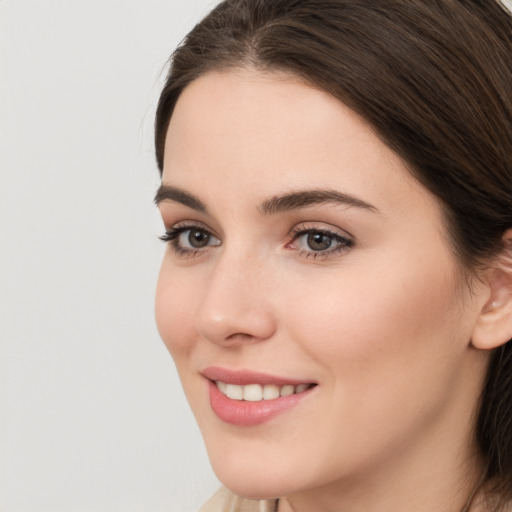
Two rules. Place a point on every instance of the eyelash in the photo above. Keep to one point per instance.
(343, 243)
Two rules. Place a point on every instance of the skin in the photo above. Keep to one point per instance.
(383, 326)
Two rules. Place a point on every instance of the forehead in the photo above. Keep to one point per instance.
(245, 130)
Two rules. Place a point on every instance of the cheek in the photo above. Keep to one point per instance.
(375, 322)
(386, 350)
(174, 301)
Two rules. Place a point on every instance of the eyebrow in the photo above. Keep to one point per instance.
(276, 204)
(301, 199)
(170, 193)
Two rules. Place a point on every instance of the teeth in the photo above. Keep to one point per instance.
(287, 390)
(235, 392)
(258, 392)
(271, 392)
(253, 392)
(301, 387)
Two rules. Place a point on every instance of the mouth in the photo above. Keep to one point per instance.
(259, 392)
(247, 398)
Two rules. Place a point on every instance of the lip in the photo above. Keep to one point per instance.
(244, 377)
(245, 413)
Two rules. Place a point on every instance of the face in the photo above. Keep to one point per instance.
(308, 293)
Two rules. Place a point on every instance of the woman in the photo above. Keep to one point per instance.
(337, 289)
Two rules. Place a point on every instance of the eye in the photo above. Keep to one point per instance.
(317, 241)
(189, 240)
(194, 238)
(314, 242)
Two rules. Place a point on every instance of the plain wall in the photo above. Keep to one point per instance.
(93, 417)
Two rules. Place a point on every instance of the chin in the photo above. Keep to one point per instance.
(249, 478)
(253, 488)
(254, 478)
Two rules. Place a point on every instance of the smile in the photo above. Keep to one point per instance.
(246, 398)
(259, 392)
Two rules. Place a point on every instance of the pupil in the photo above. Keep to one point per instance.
(198, 239)
(319, 241)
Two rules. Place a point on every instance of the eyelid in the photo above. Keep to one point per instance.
(320, 226)
(190, 224)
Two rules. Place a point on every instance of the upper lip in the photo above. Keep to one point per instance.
(244, 377)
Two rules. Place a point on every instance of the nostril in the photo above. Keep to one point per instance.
(242, 336)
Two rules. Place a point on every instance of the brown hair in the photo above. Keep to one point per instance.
(434, 79)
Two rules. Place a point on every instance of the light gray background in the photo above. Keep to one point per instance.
(93, 417)
(92, 414)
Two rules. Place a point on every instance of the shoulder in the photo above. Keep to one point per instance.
(225, 501)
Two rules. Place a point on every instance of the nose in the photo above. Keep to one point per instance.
(236, 306)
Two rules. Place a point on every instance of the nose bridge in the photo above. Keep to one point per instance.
(235, 305)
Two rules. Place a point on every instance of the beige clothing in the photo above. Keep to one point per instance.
(225, 501)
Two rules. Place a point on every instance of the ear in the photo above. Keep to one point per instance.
(494, 325)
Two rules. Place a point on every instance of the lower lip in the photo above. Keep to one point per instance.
(245, 413)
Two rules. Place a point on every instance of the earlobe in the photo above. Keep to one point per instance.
(494, 325)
